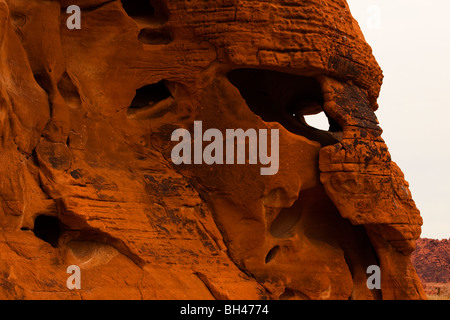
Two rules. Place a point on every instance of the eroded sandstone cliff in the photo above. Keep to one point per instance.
(86, 118)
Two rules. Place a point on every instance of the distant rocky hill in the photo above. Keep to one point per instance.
(432, 260)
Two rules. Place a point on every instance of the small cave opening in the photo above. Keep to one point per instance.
(287, 99)
(138, 9)
(272, 253)
(48, 229)
(148, 96)
(150, 15)
(146, 11)
(44, 81)
(318, 121)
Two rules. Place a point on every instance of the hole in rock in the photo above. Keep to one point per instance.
(149, 95)
(145, 12)
(138, 8)
(283, 98)
(44, 81)
(48, 229)
(283, 225)
(150, 15)
(272, 253)
(155, 36)
(318, 121)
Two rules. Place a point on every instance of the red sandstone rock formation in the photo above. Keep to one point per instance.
(86, 118)
(431, 259)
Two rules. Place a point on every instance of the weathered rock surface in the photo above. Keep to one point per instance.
(86, 118)
(431, 259)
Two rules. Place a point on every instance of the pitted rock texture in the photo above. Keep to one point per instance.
(432, 260)
(86, 118)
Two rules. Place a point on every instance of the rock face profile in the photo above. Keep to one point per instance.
(88, 179)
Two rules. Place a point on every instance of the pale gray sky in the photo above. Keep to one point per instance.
(411, 42)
